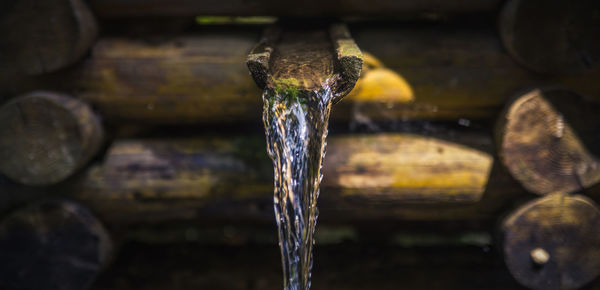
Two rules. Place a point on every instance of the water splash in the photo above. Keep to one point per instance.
(296, 129)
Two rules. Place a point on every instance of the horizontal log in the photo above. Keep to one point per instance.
(45, 137)
(336, 267)
(312, 8)
(52, 245)
(380, 177)
(447, 74)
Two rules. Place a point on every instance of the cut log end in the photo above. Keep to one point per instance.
(45, 137)
(545, 137)
(52, 245)
(552, 37)
(44, 36)
(553, 242)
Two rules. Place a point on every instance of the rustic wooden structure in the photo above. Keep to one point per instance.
(301, 59)
(52, 245)
(337, 267)
(45, 137)
(449, 73)
(548, 140)
(553, 242)
(43, 36)
(227, 179)
(433, 70)
(552, 37)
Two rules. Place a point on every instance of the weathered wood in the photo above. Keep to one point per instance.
(52, 245)
(306, 58)
(182, 8)
(45, 137)
(548, 139)
(567, 229)
(450, 74)
(453, 72)
(43, 36)
(553, 37)
(406, 168)
(386, 177)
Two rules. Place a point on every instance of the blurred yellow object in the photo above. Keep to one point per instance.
(380, 84)
(384, 85)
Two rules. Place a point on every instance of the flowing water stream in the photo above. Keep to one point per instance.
(296, 129)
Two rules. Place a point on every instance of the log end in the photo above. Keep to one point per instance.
(544, 139)
(552, 37)
(52, 245)
(553, 242)
(44, 36)
(45, 137)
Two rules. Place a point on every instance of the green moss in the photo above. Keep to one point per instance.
(288, 91)
(207, 20)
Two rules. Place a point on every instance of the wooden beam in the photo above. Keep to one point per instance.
(337, 267)
(423, 73)
(381, 177)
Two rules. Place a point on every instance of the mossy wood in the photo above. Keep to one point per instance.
(553, 36)
(45, 137)
(548, 138)
(567, 229)
(52, 245)
(43, 36)
(299, 59)
(418, 73)
(381, 177)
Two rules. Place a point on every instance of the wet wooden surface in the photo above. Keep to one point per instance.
(303, 58)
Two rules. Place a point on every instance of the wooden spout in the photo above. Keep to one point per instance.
(306, 59)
